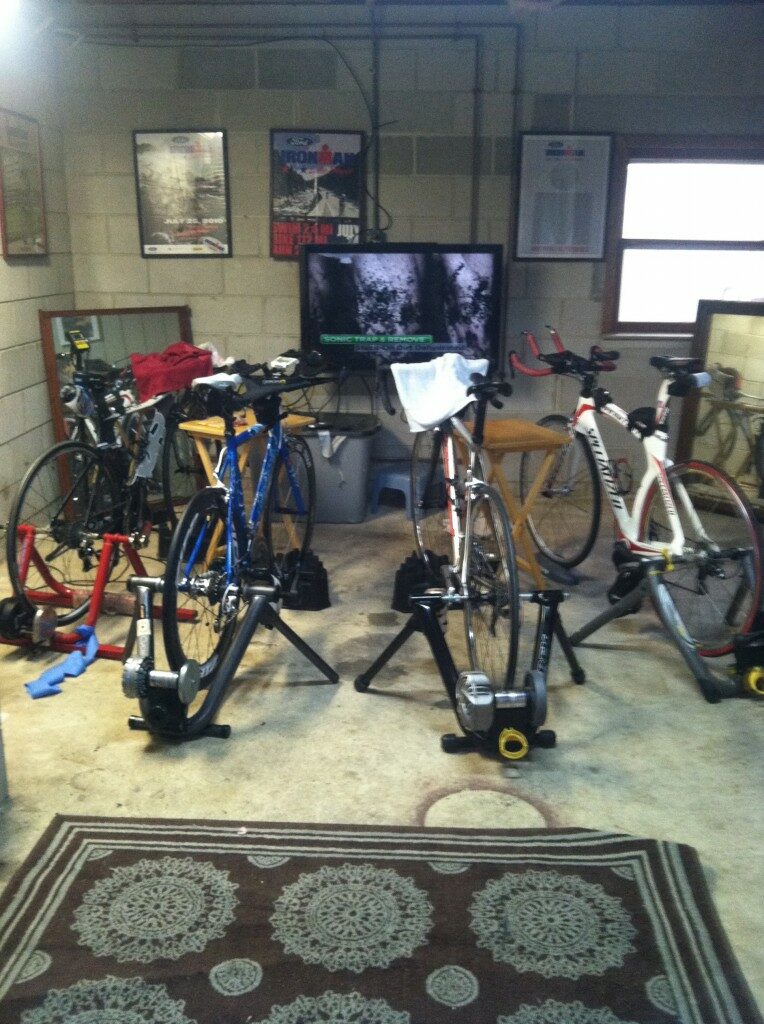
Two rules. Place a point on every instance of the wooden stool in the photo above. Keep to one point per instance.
(507, 437)
(211, 429)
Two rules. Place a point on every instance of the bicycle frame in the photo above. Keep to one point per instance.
(460, 538)
(657, 463)
(228, 478)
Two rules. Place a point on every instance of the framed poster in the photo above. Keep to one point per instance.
(22, 210)
(562, 196)
(183, 201)
(317, 189)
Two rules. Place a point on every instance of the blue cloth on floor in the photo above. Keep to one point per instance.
(48, 684)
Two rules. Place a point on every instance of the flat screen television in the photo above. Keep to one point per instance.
(400, 302)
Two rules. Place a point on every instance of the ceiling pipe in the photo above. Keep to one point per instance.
(130, 29)
(375, 109)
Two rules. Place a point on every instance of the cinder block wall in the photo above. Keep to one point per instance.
(30, 284)
(652, 69)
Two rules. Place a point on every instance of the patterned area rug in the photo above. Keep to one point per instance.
(129, 921)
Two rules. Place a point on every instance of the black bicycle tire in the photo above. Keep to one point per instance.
(169, 492)
(173, 644)
(558, 422)
(724, 444)
(431, 559)
(295, 443)
(758, 451)
(16, 513)
(737, 497)
(485, 493)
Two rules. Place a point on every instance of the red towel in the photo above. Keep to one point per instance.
(171, 370)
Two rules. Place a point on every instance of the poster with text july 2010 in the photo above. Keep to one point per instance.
(183, 202)
(317, 189)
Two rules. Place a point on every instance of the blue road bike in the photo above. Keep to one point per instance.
(218, 551)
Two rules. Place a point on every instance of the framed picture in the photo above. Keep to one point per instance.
(317, 189)
(562, 196)
(22, 209)
(183, 201)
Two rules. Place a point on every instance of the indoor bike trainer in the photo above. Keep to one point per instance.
(164, 697)
(30, 620)
(504, 722)
(640, 576)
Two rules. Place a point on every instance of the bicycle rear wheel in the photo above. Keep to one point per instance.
(290, 509)
(717, 596)
(566, 515)
(716, 431)
(430, 501)
(193, 622)
(492, 602)
(432, 528)
(67, 501)
(180, 470)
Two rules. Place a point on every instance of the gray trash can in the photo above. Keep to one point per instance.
(340, 444)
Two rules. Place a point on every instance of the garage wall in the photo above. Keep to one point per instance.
(29, 284)
(248, 305)
(656, 69)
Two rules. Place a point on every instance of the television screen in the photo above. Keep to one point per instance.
(400, 302)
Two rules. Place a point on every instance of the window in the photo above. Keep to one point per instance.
(686, 223)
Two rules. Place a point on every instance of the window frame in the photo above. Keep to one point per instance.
(741, 149)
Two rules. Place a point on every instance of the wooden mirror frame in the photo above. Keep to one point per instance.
(49, 349)
(707, 310)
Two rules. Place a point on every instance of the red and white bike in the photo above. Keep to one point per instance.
(689, 520)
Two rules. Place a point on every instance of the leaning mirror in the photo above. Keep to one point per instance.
(724, 425)
(109, 337)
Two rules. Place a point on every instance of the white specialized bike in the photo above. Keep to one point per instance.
(689, 517)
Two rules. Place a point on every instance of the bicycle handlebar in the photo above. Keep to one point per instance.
(563, 361)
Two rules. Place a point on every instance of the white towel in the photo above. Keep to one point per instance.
(431, 392)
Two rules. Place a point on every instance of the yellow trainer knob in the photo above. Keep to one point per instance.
(754, 681)
(513, 744)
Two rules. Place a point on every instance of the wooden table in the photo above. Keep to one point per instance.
(210, 430)
(509, 437)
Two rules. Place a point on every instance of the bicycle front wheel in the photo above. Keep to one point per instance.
(717, 594)
(290, 509)
(492, 601)
(566, 515)
(67, 501)
(194, 622)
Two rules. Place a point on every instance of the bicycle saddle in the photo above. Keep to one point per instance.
(220, 381)
(685, 373)
(676, 364)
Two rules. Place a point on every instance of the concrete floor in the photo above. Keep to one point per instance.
(639, 750)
